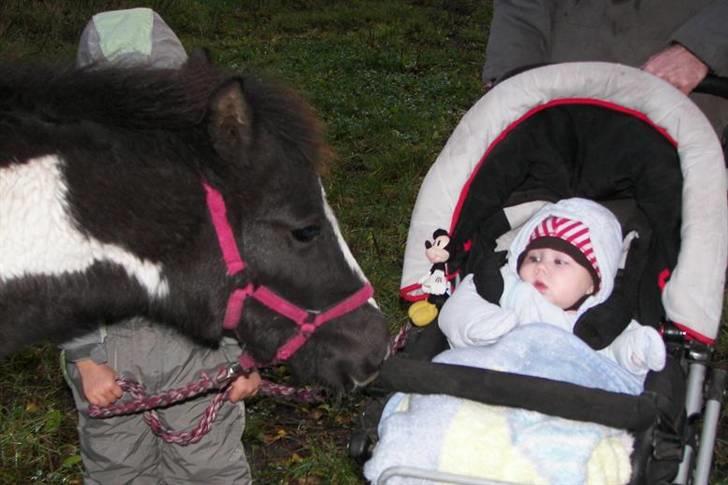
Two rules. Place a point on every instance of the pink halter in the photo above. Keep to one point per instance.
(307, 321)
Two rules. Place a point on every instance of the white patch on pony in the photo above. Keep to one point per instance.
(353, 264)
(39, 237)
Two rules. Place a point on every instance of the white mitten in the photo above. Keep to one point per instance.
(639, 349)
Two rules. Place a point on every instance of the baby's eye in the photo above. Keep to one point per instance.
(533, 259)
(559, 261)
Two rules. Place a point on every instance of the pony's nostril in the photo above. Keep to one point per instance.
(370, 371)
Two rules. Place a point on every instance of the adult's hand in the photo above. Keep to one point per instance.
(98, 382)
(678, 66)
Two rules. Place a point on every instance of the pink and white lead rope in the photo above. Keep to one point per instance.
(142, 402)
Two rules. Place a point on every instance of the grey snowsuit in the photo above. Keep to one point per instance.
(528, 32)
(123, 449)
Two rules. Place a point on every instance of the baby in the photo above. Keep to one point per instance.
(560, 264)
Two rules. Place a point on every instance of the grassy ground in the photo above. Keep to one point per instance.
(389, 78)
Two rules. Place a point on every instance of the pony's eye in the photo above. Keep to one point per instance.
(306, 234)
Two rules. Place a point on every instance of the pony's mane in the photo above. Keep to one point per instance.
(139, 99)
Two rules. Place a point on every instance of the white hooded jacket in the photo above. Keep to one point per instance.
(469, 320)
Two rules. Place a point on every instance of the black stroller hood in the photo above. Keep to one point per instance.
(581, 149)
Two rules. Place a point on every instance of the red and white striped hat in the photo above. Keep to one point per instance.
(569, 236)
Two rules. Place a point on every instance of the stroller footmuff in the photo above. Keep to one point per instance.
(597, 131)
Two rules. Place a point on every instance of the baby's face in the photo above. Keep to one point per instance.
(560, 279)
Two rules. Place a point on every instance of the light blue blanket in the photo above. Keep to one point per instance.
(443, 433)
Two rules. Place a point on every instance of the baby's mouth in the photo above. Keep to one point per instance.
(540, 286)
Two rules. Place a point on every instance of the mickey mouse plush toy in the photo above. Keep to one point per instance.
(434, 283)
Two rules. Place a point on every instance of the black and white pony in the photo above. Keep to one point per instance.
(103, 215)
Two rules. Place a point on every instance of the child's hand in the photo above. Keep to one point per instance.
(98, 382)
(649, 349)
(244, 386)
(639, 350)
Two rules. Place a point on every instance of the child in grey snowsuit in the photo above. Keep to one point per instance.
(123, 449)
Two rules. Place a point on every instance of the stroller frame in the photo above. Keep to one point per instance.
(699, 460)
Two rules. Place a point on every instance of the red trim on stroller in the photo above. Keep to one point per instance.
(406, 292)
(556, 102)
(693, 335)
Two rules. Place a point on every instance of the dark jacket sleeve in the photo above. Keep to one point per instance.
(519, 36)
(706, 36)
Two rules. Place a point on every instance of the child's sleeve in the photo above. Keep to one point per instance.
(638, 349)
(232, 348)
(87, 346)
(468, 320)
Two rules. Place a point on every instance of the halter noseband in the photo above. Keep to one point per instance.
(306, 321)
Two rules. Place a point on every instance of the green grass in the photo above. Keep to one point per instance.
(390, 79)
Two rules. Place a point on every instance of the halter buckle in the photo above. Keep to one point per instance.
(233, 370)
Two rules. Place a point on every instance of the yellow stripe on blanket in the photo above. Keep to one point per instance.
(609, 462)
(489, 452)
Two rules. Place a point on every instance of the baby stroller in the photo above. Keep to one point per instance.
(632, 142)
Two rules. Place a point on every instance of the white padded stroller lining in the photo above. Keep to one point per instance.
(693, 297)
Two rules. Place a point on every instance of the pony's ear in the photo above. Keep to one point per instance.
(230, 120)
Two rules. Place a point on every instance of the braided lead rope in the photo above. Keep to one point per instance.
(142, 402)
(308, 394)
(184, 438)
(399, 340)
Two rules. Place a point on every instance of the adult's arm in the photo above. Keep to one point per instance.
(699, 46)
(706, 36)
(520, 33)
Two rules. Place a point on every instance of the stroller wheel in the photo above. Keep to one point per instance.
(364, 437)
(360, 446)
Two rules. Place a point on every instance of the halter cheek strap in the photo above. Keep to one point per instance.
(306, 321)
(228, 246)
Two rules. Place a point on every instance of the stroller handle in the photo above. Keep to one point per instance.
(711, 84)
(715, 85)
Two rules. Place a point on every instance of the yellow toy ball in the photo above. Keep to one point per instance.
(422, 313)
